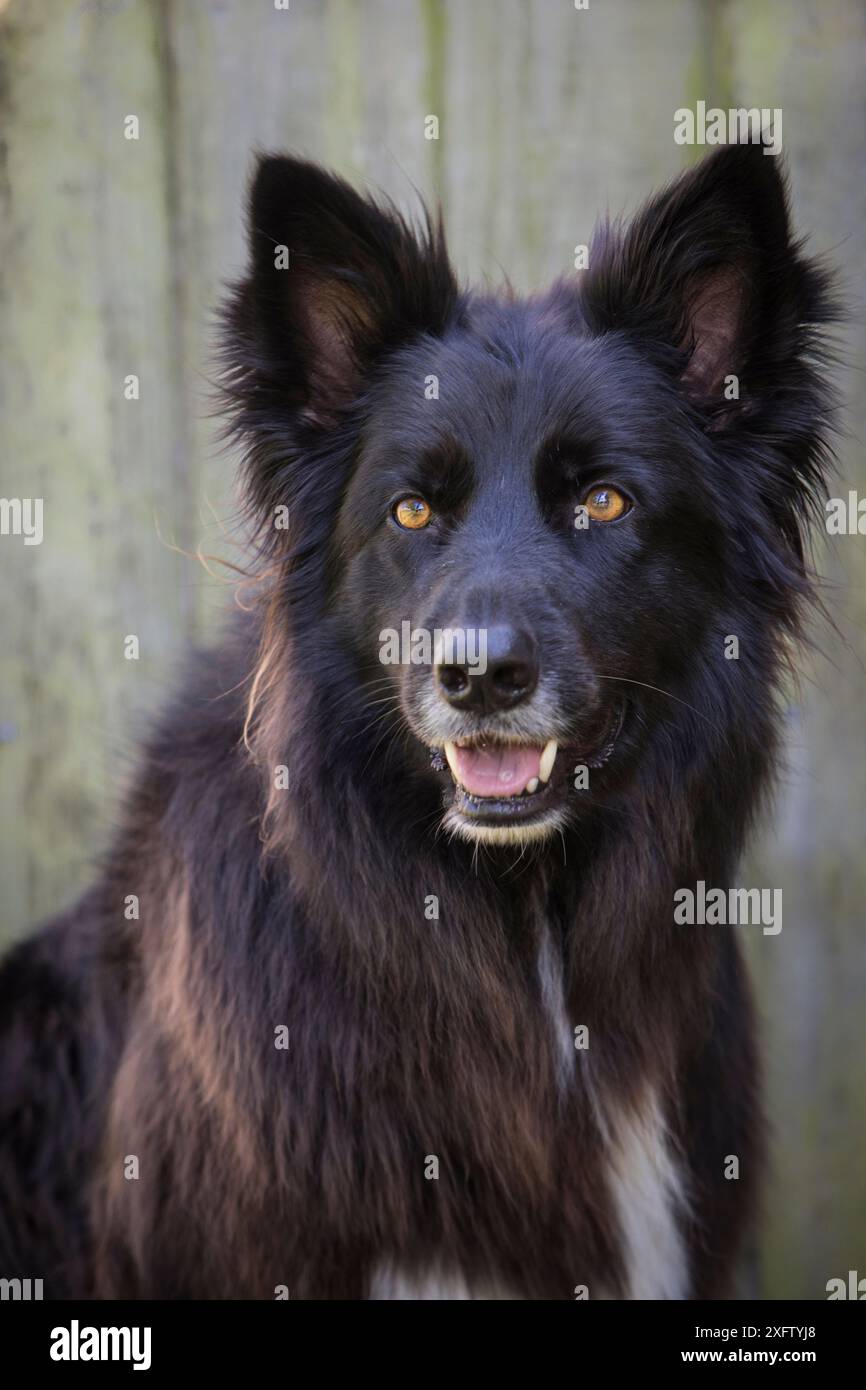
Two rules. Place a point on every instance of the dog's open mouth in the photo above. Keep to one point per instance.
(519, 787)
(500, 781)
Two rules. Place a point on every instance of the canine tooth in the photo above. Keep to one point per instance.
(532, 785)
(451, 755)
(548, 757)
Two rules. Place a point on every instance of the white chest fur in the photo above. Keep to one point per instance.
(643, 1174)
(649, 1200)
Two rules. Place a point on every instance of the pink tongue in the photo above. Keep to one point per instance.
(497, 771)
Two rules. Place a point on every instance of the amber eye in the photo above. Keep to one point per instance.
(412, 513)
(606, 504)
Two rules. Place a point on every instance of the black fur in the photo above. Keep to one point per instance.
(260, 907)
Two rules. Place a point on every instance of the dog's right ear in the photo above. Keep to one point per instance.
(334, 281)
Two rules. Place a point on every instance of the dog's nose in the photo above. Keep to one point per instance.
(510, 673)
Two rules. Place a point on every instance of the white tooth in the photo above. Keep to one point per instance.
(532, 785)
(548, 757)
(451, 755)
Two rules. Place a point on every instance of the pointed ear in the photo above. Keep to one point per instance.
(334, 281)
(707, 275)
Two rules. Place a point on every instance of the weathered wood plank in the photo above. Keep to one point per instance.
(808, 60)
(86, 263)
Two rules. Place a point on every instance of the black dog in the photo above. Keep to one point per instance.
(381, 992)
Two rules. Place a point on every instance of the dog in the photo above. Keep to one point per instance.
(380, 993)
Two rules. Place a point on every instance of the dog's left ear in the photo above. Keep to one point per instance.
(706, 276)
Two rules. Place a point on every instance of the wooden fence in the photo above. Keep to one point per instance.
(112, 255)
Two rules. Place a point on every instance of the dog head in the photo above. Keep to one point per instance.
(526, 531)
